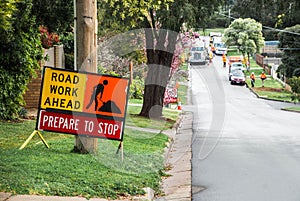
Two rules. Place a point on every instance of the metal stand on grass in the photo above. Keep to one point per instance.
(31, 136)
(120, 147)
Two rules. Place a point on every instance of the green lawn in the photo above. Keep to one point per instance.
(58, 171)
(282, 96)
(135, 120)
(272, 89)
(135, 101)
(233, 52)
(269, 83)
(295, 109)
(257, 72)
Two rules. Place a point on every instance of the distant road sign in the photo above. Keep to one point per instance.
(170, 95)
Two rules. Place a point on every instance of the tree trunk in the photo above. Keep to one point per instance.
(86, 58)
(248, 54)
(160, 48)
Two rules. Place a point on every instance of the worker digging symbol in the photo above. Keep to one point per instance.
(97, 94)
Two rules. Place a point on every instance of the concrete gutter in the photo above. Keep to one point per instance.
(178, 186)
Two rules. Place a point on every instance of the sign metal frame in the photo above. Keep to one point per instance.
(100, 113)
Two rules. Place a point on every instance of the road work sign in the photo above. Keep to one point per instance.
(81, 103)
(170, 95)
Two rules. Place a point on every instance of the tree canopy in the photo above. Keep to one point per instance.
(290, 44)
(246, 34)
(271, 13)
(56, 15)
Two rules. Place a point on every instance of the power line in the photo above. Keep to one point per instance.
(266, 27)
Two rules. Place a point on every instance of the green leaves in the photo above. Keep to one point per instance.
(20, 51)
(246, 34)
(7, 8)
(289, 43)
(294, 82)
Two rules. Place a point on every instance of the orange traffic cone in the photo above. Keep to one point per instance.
(178, 104)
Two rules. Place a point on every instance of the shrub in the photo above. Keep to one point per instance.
(48, 39)
(20, 49)
(137, 88)
(294, 82)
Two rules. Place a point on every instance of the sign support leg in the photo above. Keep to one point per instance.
(120, 147)
(43, 140)
(31, 136)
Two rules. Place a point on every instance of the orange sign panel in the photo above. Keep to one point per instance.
(105, 95)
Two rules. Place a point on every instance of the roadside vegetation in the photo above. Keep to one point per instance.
(294, 109)
(58, 171)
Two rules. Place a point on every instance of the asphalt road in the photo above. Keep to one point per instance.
(244, 148)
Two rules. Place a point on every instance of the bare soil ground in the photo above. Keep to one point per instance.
(269, 89)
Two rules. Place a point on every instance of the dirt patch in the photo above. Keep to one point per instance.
(269, 89)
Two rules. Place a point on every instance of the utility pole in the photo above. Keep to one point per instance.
(86, 55)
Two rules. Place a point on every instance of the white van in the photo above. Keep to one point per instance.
(220, 48)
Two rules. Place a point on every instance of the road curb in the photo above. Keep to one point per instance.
(284, 109)
(178, 186)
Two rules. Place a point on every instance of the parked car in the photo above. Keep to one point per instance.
(235, 66)
(237, 77)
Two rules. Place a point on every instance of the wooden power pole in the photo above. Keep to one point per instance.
(86, 55)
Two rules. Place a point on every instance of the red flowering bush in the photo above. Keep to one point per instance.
(48, 39)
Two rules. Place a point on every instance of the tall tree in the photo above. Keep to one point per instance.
(290, 15)
(272, 13)
(246, 34)
(290, 44)
(264, 11)
(162, 21)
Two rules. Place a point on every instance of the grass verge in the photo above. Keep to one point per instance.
(272, 90)
(294, 109)
(58, 171)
